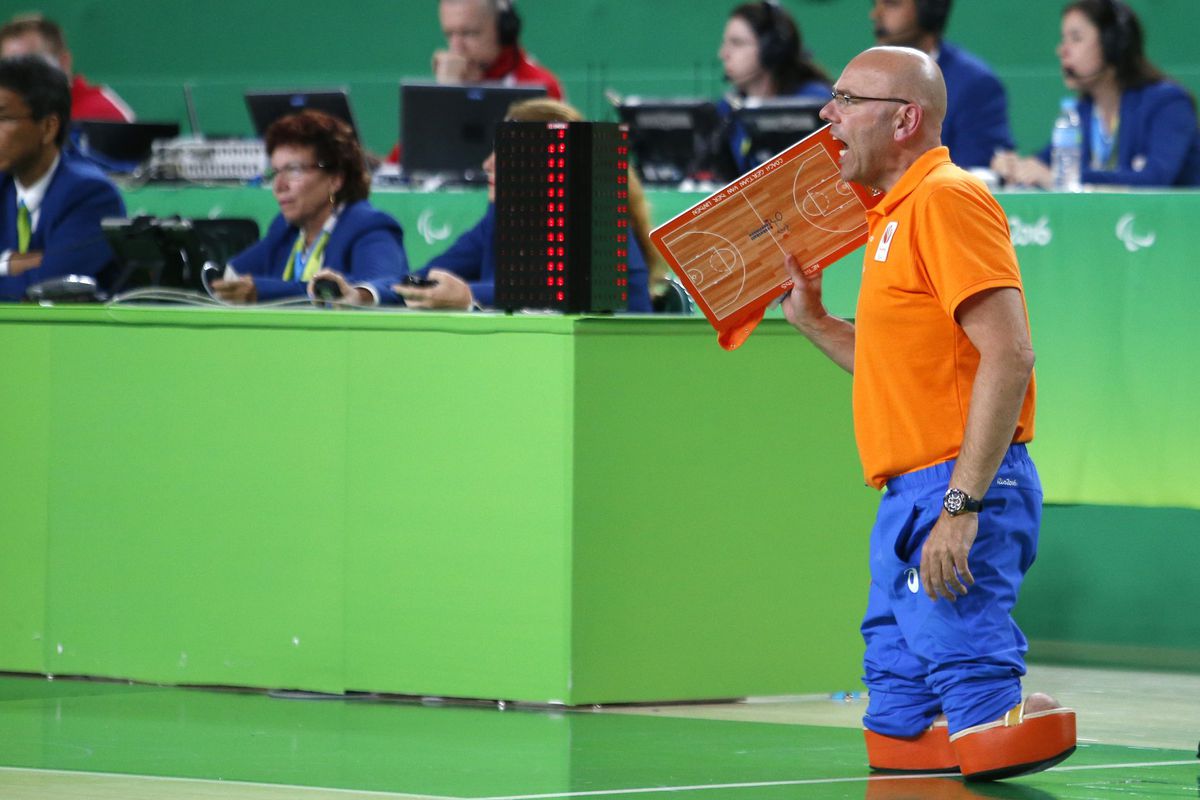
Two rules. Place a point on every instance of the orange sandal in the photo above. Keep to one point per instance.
(928, 751)
(1018, 743)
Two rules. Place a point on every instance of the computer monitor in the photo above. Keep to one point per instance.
(773, 125)
(674, 139)
(267, 106)
(446, 130)
(120, 145)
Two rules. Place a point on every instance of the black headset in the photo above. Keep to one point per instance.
(1117, 38)
(776, 43)
(932, 15)
(508, 22)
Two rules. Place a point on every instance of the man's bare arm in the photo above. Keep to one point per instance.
(804, 308)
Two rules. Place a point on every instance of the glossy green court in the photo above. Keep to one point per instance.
(86, 739)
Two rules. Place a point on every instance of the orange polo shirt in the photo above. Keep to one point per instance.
(937, 238)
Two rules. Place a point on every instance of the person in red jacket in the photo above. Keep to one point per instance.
(36, 35)
(483, 44)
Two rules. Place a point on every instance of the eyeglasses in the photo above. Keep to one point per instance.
(845, 100)
(291, 171)
(6, 119)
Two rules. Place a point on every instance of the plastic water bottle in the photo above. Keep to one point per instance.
(1066, 148)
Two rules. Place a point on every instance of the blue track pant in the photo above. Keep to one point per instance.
(964, 658)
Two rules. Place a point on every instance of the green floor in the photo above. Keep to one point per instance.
(455, 751)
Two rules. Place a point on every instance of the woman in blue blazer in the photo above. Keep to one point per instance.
(1139, 127)
(325, 226)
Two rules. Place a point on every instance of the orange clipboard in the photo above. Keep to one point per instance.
(728, 250)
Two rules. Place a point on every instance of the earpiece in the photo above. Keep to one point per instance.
(1117, 38)
(776, 39)
(508, 22)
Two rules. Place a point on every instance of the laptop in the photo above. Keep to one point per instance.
(673, 139)
(773, 125)
(120, 146)
(267, 106)
(446, 130)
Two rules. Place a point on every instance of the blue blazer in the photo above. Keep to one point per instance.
(736, 135)
(472, 257)
(976, 124)
(1158, 143)
(68, 230)
(367, 246)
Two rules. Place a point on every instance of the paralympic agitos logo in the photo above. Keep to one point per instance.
(1129, 237)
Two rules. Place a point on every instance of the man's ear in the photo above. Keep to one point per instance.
(908, 122)
(50, 126)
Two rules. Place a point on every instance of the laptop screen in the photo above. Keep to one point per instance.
(125, 141)
(673, 139)
(267, 106)
(774, 125)
(446, 130)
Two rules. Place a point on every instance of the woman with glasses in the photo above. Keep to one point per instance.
(763, 56)
(1139, 128)
(325, 227)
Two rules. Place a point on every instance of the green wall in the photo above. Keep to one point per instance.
(148, 49)
(1113, 586)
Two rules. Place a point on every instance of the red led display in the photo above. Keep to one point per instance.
(535, 159)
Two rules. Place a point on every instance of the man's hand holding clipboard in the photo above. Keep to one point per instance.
(729, 249)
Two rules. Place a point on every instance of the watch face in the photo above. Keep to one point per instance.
(954, 501)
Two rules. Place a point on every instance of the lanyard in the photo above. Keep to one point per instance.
(1104, 151)
(303, 263)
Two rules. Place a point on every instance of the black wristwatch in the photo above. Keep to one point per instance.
(958, 502)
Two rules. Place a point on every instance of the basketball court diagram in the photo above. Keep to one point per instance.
(730, 249)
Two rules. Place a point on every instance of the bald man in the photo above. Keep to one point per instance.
(943, 406)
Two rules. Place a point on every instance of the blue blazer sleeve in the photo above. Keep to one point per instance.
(266, 259)
(367, 246)
(639, 279)
(472, 257)
(68, 231)
(370, 251)
(1158, 133)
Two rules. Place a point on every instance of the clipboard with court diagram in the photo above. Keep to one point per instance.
(729, 249)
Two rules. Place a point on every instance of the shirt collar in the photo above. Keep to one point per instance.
(32, 196)
(912, 177)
